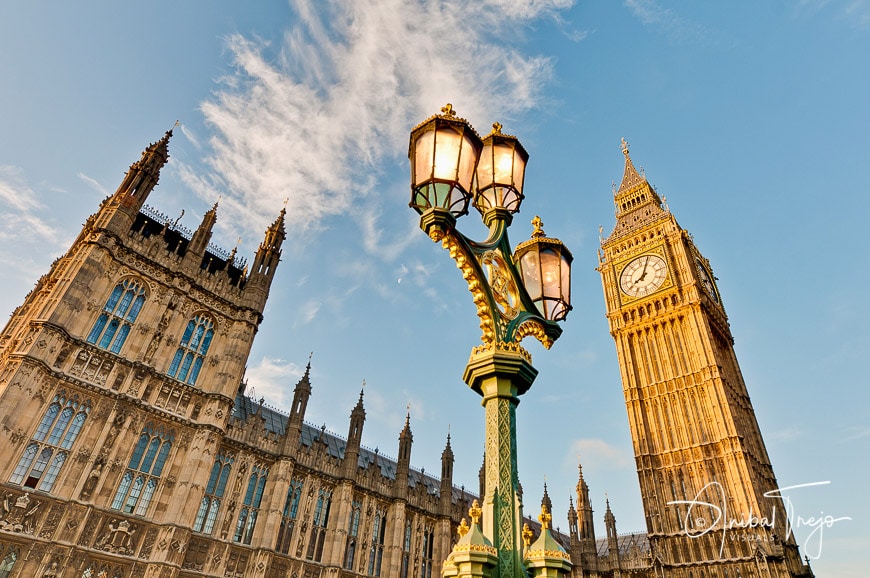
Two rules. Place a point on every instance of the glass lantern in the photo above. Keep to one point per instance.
(444, 150)
(500, 172)
(545, 267)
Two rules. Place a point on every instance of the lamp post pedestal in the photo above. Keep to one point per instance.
(500, 374)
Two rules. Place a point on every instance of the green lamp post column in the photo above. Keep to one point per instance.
(517, 295)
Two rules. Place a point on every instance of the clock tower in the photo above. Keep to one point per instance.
(707, 485)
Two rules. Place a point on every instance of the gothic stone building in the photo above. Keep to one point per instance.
(130, 449)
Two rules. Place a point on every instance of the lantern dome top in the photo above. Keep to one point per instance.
(538, 236)
(447, 113)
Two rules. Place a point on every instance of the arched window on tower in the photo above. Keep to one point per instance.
(49, 447)
(143, 472)
(192, 350)
(118, 315)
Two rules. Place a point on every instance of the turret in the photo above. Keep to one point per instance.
(546, 502)
(265, 262)
(143, 175)
(572, 525)
(301, 394)
(612, 540)
(447, 460)
(588, 548)
(199, 241)
(354, 438)
(403, 463)
(119, 211)
(586, 522)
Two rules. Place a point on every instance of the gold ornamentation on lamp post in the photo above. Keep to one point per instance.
(517, 295)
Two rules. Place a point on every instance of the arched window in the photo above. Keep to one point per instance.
(8, 563)
(406, 551)
(318, 526)
(379, 532)
(288, 516)
(251, 505)
(119, 313)
(352, 533)
(426, 552)
(214, 492)
(192, 350)
(143, 472)
(48, 449)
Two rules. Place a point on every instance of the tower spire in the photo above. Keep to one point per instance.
(144, 174)
(202, 235)
(446, 493)
(266, 261)
(403, 463)
(301, 395)
(637, 203)
(354, 437)
(630, 176)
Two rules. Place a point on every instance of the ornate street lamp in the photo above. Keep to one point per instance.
(517, 295)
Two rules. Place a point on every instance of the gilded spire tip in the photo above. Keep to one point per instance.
(475, 512)
(538, 224)
(463, 528)
(545, 517)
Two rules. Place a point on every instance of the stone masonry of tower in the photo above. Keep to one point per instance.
(694, 431)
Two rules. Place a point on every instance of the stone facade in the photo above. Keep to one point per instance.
(131, 450)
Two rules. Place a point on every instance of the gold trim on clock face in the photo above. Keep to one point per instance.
(643, 275)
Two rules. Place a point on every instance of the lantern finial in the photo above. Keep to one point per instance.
(447, 109)
(496, 128)
(538, 224)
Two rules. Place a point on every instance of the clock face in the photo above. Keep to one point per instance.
(707, 281)
(643, 275)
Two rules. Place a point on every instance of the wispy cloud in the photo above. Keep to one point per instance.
(20, 220)
(22, 227)
(315, 118)
(674, 26)
(189, 134)
(273, 379)
(855, 12)
(94, 184)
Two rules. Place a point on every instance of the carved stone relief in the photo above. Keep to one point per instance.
(17, 513)
(118, 537)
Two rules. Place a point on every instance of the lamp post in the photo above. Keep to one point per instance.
(517, 294)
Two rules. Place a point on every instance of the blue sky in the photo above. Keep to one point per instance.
(749, 117)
